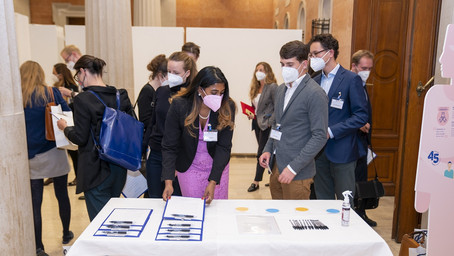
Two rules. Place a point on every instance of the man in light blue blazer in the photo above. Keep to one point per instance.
(336, 163)
(299, 132)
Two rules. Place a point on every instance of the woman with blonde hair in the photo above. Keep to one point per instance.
(181, 70)
(198, 138)
(262, 92)
(44, 159)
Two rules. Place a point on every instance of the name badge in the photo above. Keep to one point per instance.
(210, 136)
(337, 103)
(275, 134)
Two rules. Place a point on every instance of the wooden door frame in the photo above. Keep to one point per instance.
(423, 16)
(418, 48)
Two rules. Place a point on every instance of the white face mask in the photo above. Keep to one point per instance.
(290, 74)
(70, 65)
(174, 80)
(318, 64)
(364, 75)
(55, 79)
(260, 75)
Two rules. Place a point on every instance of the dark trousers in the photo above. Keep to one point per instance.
(333, 178)
(97, 197)
(74, 154)
(154, 171)
(64, 207)
(361, 175)
(262, 138)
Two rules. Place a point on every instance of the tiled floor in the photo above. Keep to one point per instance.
(242, 172)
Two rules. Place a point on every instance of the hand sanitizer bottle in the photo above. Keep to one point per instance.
(346, 208)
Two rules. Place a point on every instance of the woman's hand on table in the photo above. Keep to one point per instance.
(209, 192)
(168, 190)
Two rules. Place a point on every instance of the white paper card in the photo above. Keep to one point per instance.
(60, 139)
(135, 185)
(185, 208)
(370, 155)
(275, 134)
(337, 103)
(128, 215)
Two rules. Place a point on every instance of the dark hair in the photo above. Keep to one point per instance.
(92, 64)
(158, 65)
(294, 49)
(62, 70)
(192, 48)
(207, 77)
(328, 42)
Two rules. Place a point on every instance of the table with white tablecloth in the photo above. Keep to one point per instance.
(222, 234)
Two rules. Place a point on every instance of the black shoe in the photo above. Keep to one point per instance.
(253, 187)
(81, 197)
(48, 181)
(68, 237)
(72, 183)
(369, 221)
(40, 252)
(267, 184)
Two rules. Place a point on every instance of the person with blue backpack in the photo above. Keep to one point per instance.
(100, 180)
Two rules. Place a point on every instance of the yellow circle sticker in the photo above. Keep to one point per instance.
(301, 209)
(242, 209)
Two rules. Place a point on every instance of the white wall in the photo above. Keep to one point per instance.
(147, 43)
(236, 52)
(44, 42)
(23, 37)
(75, 35)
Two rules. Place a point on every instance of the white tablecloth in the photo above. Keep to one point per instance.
(221, 236)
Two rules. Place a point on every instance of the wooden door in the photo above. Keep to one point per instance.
(402, 34)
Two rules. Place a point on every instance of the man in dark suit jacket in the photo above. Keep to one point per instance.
(336, 163)
(299, 133)
(362, 63)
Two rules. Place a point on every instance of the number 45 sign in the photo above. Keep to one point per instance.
(434, 157)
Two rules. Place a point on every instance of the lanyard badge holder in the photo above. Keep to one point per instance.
(210, 135)
(337, 102)
(276, 133)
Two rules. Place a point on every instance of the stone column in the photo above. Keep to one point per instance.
(16, 215)
(147, 13)
(109, 37)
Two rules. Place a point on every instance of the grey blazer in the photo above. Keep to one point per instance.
(303, 124)
(265, 109)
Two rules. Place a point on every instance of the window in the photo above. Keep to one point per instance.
(287, 21)
(302, 18)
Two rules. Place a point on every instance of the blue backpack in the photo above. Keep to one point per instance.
(120, 138)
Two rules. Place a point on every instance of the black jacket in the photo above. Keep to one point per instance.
(179, 147)
(88, 113)
(146, 102)
(162, 105)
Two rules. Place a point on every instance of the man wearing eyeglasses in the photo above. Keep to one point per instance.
(336, 163)
(71, 54)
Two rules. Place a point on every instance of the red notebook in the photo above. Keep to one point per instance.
(247, 109)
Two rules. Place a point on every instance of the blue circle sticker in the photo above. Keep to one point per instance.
(272, 210)
(332, 211)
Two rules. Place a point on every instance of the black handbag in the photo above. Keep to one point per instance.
(368, 193)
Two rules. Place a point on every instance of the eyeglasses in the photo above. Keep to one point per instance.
(313, 54)
(76, 78)
(67, 58)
